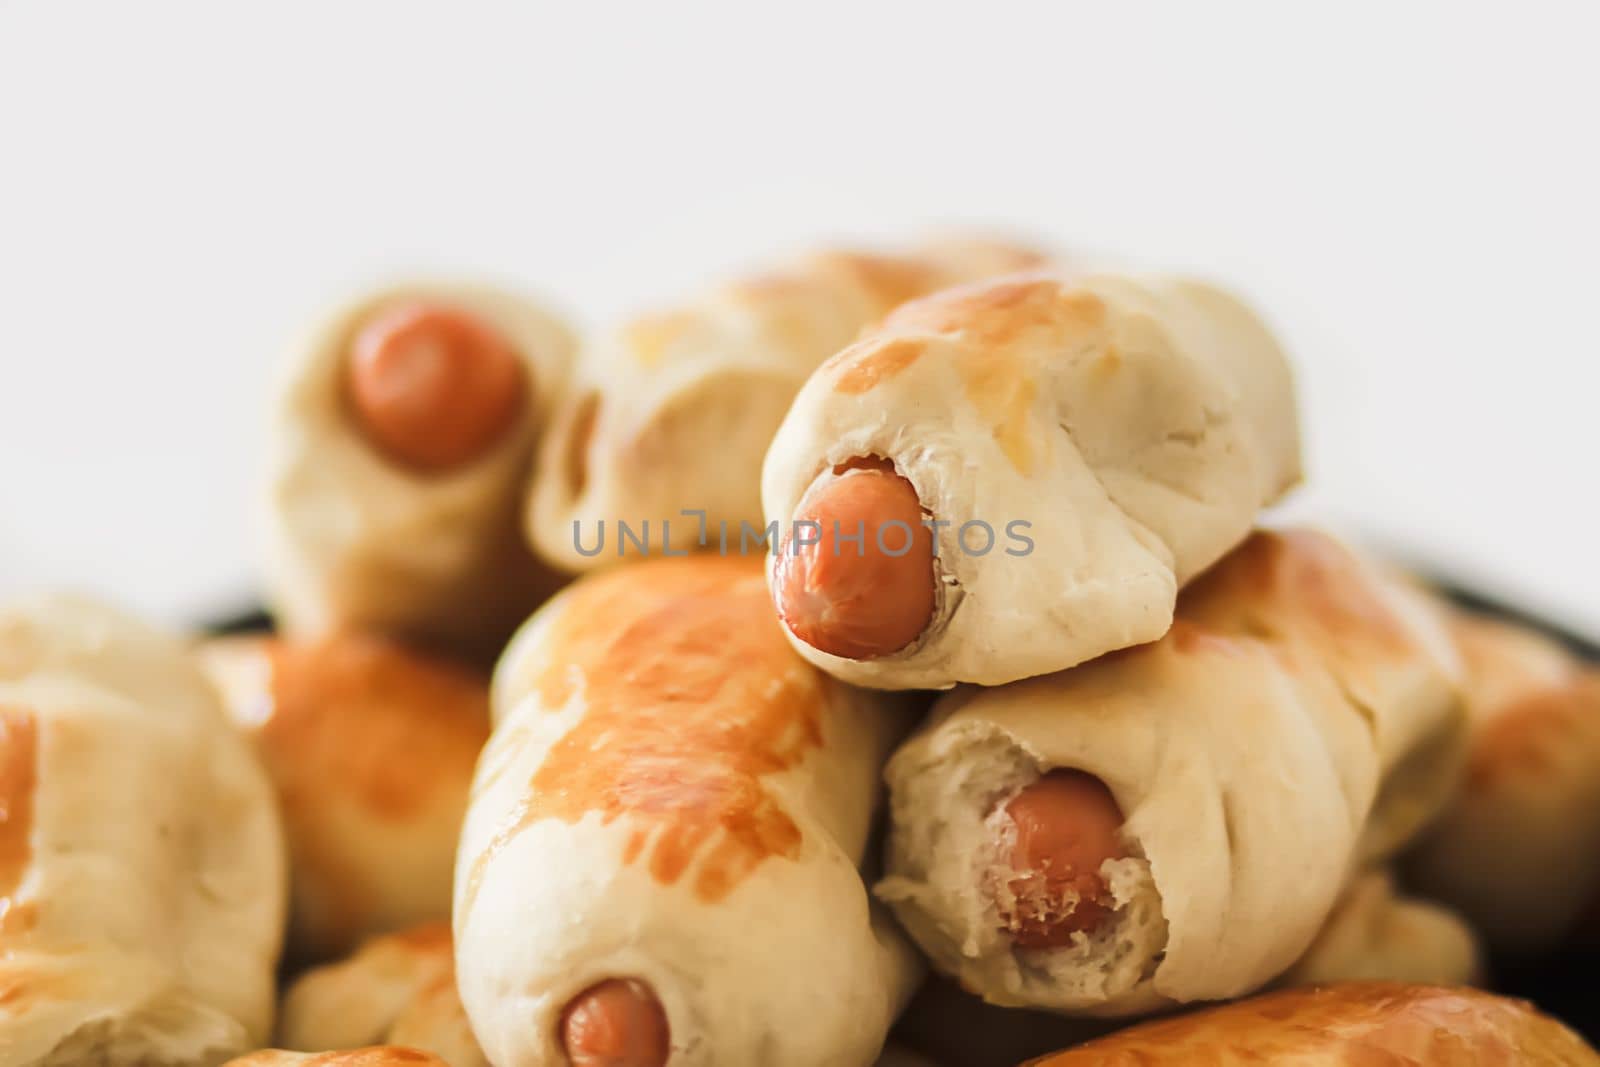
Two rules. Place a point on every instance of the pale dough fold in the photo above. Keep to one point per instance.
(397, 989)
(1377, 934)
(142, 874)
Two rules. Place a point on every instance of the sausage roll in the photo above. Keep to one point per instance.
(1375, 934)
(1011, 478)
(370, 745)
(403, 432)
(661, 854)
(1341, 1025)
(1519, 849)
(675, 410)
(376, 1056)
(1173, 822)
(398, 989)
(142, 873)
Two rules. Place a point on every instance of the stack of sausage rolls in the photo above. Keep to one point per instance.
(877, 659)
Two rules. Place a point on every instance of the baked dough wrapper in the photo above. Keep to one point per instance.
(670, 795)
(1300, 721)
(1137, 425)
(370, 746)
(398, 989)
(1518, 850)
(673, 412)
(142, 883)
(355, 540)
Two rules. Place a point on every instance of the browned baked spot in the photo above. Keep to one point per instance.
(999, 382)
(865, 364)
(426, 938)
(889, 280)
(19, 739)
(1191, 639)
(1363, 1024)
(1000, 327)
(692, 698)
(1001, 313)
(373, 721)
(17, 917)
(375, 1056)
(1282, 581)
(1539, 734)
(370, 724)
(25, 987)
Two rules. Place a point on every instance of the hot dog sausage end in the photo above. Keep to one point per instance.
(864, 586)
(615, 1023)
(1066, 826)
(431, 387)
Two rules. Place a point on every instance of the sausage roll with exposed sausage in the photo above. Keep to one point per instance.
(1343, 1026)
(403, 433)
(661, 857)
(370, 745)
(1173, 822)
(674, 411)
(397, 989)
(1013, 477)
(1519, 849)
(142, 876)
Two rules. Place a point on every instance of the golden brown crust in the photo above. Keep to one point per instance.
(370, 746)
(688, 709)
(371, 718)
(376, 1056)
(1537, 733)
(1002, 317)
(998, 313)
(1300, 584)
(19, 733)
(1504, 661)
(890, 280)
(1519, 850)
(1533, 705)
(1360, 1024)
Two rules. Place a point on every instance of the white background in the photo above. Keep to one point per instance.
(1409, 190)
